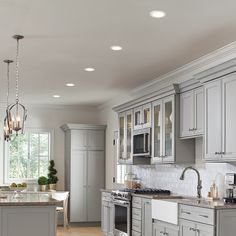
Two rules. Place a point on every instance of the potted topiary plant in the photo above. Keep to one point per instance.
(42, 181)
(52, 178)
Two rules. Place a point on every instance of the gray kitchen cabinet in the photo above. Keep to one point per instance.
(165, 229)
(146, 217)
(191, 113)
(107, 214)
(220, 114)
(125, 144)
(190, 228)
(84, 170)
(166, 145)
(142, 116)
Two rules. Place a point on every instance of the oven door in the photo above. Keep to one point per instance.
(122, 218)
(142, 143)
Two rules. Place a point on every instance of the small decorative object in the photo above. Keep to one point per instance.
(18, 188)
(52, 178)
(43, 181)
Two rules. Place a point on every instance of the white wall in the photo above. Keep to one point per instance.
(53, 118)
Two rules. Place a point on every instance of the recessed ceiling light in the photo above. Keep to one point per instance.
(89, 69)
(116, 48)
(157, 14)
(56, 96)
(70, 85)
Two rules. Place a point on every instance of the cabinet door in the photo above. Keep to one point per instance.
(187, 228)
(96, 139)
(168, 129)
(105, 221)
(96, 181)
(186, 114)
(229, 116)
(205, 230)
(171, 232)
(157, 130)
(121, 143)
(146, 110)
(213, 121)
(198, 112)
(146, 217)
(111, 214)
(78, 139)
(158, 230)
(78, 188)
(138, 117)
(129, 136)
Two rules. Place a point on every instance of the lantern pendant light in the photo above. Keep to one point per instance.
(17, 111)
(7, 120)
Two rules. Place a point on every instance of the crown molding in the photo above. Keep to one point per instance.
(179, 75)
(71, 126)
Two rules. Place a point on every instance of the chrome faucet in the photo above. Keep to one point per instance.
(199, 183)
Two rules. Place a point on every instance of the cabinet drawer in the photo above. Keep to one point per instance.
(136, 214)
(137, 225)
(136, 202)
(106, 196)
(134, 233)
(198, 214)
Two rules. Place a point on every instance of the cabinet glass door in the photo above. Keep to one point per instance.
(168, 128)
(122, 136)
(157, 130)
(138, 118)
(147, 116)
(129, 135)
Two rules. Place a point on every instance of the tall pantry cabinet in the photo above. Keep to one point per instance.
(84, 170)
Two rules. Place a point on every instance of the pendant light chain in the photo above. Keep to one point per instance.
(17, 71)
(8, 83)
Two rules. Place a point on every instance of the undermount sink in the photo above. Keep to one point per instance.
(165, 211)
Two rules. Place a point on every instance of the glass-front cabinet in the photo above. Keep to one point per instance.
(163, 130)
(125, 137)
(142, 116)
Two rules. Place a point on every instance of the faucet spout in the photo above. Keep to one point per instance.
(199, 183)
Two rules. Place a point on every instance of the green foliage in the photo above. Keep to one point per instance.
(42, 180)
(52, 178)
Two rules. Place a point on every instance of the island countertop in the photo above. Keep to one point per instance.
(28, 199)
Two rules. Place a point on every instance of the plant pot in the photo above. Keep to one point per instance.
(43, 188)
(52, 186)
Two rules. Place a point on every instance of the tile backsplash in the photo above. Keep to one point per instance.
(167, 176)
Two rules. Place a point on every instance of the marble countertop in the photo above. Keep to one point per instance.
(27, 199)
(202, 202)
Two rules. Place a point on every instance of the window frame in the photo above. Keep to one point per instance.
(6, 179)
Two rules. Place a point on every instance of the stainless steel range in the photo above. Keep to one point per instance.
(122, 200)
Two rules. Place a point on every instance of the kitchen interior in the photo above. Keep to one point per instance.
(118, 118)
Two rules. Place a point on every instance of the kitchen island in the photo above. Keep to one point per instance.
(30, 214)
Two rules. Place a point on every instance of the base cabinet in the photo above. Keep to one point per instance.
(146, 217)
(190, 228)
(165, 229)
(107, 216)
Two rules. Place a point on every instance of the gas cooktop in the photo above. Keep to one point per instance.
(148, 191)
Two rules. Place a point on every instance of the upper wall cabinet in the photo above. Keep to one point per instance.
(166, 146)
(125, 144)
(220, 111)
(191, 113)
(220, 127)
(142, 116)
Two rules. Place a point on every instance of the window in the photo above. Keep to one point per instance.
(27, 156)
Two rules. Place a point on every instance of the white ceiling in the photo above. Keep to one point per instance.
(62, 37)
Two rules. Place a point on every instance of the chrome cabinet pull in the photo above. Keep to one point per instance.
(192, 229)
(205, 216)
(186, 212)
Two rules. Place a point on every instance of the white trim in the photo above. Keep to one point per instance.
(71, 126)
(6, 180)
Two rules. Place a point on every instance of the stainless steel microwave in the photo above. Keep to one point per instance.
(142, 142)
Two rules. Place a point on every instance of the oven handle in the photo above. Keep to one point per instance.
(121, 203)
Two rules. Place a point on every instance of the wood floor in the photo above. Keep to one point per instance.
(79, 231)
